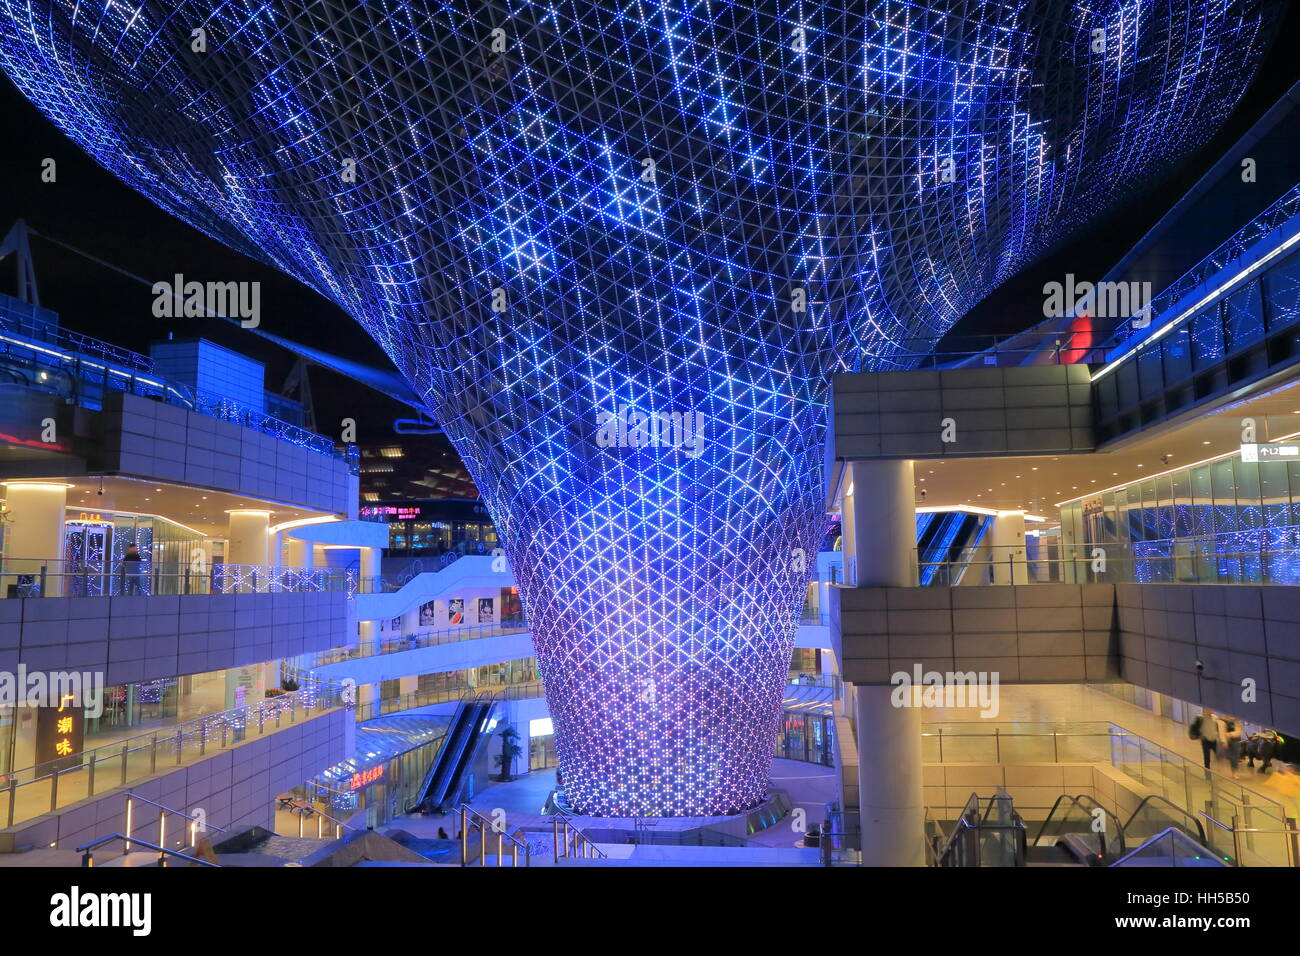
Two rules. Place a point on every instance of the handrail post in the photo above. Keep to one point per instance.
(180, 746)
(54, 790)
(153, 754)
(464, 838)
(124, 752)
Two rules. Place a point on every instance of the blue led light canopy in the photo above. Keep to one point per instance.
(619, 249)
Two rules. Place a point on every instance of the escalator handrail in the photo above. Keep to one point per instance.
(1077, 801)
(435, 772)
(1200, 836)
(481, 711)
(449, 768)
(1173, 833)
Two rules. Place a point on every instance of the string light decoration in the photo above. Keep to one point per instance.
(620, 248)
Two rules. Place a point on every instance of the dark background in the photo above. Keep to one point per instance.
(92, 211)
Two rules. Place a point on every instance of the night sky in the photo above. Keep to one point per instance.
(91, 210)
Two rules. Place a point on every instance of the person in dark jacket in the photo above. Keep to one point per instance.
(133, 582)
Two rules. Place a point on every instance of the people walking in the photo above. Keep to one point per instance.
(133, 581)
(1206, 727)
(1232, 742)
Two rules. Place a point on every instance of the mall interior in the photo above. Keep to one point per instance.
(1053, 619)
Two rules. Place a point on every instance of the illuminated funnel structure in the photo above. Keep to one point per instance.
(574, 209)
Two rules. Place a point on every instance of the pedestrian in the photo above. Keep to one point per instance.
(1207, 728)
(134, 581)
(442, 834)
(1232, 742)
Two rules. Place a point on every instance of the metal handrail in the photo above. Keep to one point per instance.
(469, 815)
(1151, 797)
(305, 810)
(575, 839)
(88, 856)
(162, 827)
(1077, 800)
(1288, 829)
(223, 729)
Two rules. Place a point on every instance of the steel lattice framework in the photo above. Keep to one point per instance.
(568, 208)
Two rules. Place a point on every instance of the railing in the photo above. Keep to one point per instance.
(88, 854)
(1167, 561)
(1056, 348)
(1241, 837)
(88, 382)
(389, 583)
(575, 843)
(34, 578)
(45, 787)
(469, 817)
(305, 811)
(193, 826)
(414, 642)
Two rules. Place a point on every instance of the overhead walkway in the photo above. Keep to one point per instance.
(471, 571)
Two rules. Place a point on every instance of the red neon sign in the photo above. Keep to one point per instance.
(363, 777)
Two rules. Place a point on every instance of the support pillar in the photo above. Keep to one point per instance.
(890, 794)
(879, 520)
(249, 543)
(297, 552)
(371, 569)
(880, 551)
(1009, 556)
(34, 534)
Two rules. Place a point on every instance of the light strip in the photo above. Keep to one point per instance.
(1160, 474)
(1209, 297)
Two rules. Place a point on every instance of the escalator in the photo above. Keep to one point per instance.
(470, 728)
(1077, 832)
(1080, 832)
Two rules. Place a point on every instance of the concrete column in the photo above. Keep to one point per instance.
(297, 552)
(371, 568)
(249, 537)
(889, 779)
(34, 535)
(1009, 554)
(880, 524)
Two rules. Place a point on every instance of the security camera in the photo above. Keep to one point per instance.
(923, 494)
(1200, 666)
(1165, 459)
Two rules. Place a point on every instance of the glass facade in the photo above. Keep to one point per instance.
(1265, 306)
(1227, 520)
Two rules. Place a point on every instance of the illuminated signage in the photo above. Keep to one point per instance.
(60, 733)
(1272, 452)
(363, 777)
